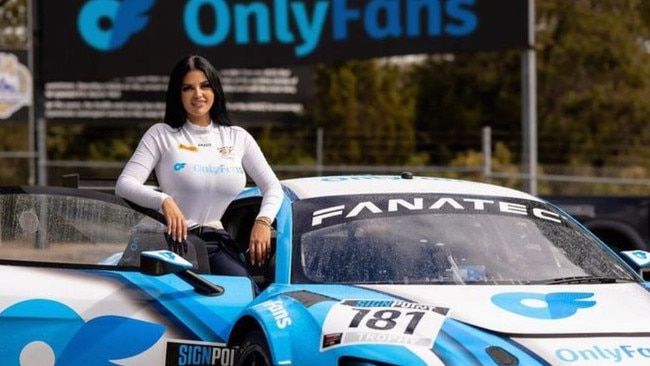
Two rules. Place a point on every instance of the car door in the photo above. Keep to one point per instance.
(68, 294)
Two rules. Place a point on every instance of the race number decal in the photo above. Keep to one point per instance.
(382, 321)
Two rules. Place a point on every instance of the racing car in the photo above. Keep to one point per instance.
(367, 270)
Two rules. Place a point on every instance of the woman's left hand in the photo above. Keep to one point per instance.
(259, 247)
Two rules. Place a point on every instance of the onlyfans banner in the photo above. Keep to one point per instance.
(99, 39)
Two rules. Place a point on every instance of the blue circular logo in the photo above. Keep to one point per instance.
(557, 305)
(107, 25)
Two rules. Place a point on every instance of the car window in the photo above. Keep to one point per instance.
(67, 229)
(443, 239)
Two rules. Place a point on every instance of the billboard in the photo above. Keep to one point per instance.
(255, 96)
(90, 41)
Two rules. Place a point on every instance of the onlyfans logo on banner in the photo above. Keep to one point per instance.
(15, 85)
(107, 25)
(127, 17)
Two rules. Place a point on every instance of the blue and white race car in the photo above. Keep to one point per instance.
(367, 270)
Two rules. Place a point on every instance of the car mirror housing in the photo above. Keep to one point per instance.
(160, 262)
(639, 260)
(163, 262)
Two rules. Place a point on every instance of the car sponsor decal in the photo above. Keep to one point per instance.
(630, 351)
(338, 212)
(557, 305)
(279, 313)
(64, 338)
(626, 349)
(382, 321)
(192, 322)
(539, 310)
(186, 353)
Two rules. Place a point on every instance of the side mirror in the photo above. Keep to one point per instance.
(162, 262)
(639, 260)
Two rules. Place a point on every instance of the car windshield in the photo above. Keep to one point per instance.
(445, 239)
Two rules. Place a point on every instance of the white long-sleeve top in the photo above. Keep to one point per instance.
(202, 168)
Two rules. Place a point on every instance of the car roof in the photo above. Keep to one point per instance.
(310, 187)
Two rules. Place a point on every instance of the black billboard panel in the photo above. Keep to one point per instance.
(97, 39)
(255, 96)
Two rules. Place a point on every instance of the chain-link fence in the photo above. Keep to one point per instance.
(305, 152)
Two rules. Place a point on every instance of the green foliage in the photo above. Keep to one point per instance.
(14, 138)
(593, 70)
(88, 143)
(462, 93)
(279, 146)
(366, 111)
(644, 12)
(13, 24)
(594, 80)
(83, 142)
(63, 140)
(117, 147)
(501, 164)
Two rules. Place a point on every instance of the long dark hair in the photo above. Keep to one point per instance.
(175, 114)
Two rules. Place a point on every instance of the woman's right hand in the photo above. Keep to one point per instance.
(176, 224)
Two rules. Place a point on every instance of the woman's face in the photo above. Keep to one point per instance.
(197, 96)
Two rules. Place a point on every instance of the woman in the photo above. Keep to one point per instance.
(201, 161)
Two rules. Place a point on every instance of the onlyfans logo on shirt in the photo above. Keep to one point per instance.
(209, 169)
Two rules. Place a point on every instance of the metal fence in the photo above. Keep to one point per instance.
(619, 180)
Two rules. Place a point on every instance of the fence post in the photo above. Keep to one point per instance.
(319, 151)
(487, 153)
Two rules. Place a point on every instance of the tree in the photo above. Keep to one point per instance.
(458, 95)
(366, 111)
(594, 80)
(13, 138)
(593, 87)
(88, 143)
(13, 23)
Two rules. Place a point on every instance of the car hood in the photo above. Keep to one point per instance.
(590, 324)
(538, 310)
(601, 324)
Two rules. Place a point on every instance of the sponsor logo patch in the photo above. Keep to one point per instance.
(188, 148)
(184, 353)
